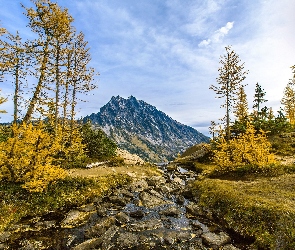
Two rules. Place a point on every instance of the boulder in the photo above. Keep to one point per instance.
(127, 240)
(76, 218)
(145, 225)
(151, 201)
(101, 227)
(214, 240)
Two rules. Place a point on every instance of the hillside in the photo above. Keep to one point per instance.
(141, 129)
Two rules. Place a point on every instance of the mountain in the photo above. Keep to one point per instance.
(141, 129)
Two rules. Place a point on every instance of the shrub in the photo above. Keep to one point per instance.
(249, 148)
(28, 157)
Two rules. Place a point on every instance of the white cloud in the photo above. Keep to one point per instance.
(218, 35)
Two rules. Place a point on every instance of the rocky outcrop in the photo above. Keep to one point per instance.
(152, 213)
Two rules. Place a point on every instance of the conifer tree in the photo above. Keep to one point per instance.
(231, 75)
(259, 98)
(52, 25)
(241, 105)
(288, 99)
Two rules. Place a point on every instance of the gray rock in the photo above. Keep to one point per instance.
(171, 167)
(120, 201)
(156, 181)
(171, 211)
(122, 218)
(89, 244)
(76, 218)
(214, 240)
(100, 228)
(150, 201)
(4, 236)
(41, 225)
(127, 240)
(146, 225)
(229, 247)
(138, 186)
(137, 214)
(108, 236)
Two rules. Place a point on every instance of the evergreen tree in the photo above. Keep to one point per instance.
(231, 75)
(241, 105)
(288, 99)
(259, 98)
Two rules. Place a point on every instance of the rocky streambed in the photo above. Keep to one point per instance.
(157, 212)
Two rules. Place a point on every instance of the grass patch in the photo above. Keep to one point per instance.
(263, 208)
(17, 203)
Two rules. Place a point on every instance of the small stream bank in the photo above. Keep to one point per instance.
(158, 212)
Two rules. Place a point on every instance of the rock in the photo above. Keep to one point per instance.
(146, 225)
(171, 211)
(120, 201)
(107, 237)
(101, 227)
(127, 240)
(126, 193)
(102, 211)
(178, 181)
(229, 247)
(4, 236)
(215, 240)
(87, 208)
(180, 199)
(187, 193)
(76, 218)
(137, 214)
(194, 209)
(171, 167)
(156, 181)
(138, 186)
(89, 244)
(122, 218)
(3, 246)
(150, 201)
(41, 225)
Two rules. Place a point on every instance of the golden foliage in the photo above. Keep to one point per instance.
(248, 148)
(28, 157)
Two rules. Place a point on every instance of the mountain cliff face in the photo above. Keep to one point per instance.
(141, 129)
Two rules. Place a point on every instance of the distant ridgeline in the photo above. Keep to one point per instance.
(141, 129)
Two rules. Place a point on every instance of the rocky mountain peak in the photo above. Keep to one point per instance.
(140, 128)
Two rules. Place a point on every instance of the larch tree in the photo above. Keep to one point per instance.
(288, 99)
(18, 69)
(241, 105)
(81, 76)
(52, 25)
(231, 75)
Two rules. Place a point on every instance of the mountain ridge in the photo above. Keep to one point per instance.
(141, 128)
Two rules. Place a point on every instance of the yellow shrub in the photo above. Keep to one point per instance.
(28, 157)
(248, 148)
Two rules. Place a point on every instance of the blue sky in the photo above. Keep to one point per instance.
(166, 52)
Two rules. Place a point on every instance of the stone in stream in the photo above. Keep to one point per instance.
(145, 225)
(137, 214)
(138, 186)
(214, 240)
(156, 181)
(122, 218)
(151, 201)
(76, 218)
(127, 240)
(101, 227)
(171, 211)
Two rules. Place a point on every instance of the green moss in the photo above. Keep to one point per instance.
(264, 208)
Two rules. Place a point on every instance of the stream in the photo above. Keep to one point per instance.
(159, 212)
